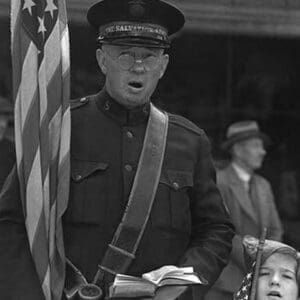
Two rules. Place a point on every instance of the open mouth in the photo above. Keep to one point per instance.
(135, 84)
(275, 294)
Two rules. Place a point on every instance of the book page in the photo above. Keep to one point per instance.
(185, 279)
(167, 271)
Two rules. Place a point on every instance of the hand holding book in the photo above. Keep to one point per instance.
(126, 286)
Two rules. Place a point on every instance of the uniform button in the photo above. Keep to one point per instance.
(129, 134)
(145, 110)
(106, 105)
(84, 99)
(128, 168)
(78, 177)
(175, 185)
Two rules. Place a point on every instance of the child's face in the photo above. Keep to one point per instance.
(277, 278)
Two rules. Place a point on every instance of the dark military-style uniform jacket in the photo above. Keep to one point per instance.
(188, 224)
(7, 158)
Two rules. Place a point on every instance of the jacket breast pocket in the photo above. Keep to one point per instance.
(172, 200)
(87, 201)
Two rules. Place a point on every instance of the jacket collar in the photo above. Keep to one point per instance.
(242, 174)
(120, 113)
(241, 194)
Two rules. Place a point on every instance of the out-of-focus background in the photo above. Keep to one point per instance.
(235, 59)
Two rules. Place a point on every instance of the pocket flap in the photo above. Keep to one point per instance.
(83, 168)
(177, 179)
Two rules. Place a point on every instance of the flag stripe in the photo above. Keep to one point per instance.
(65, 51)
(30, 136)
(52, 47)
(47, 193)
(28, 85)
(42, 83)
(39, 249)
(34, 208)
(46, 284)
(54, 92)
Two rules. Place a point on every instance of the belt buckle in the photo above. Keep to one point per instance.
(90, 291)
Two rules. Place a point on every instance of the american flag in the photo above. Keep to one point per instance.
(41, 83)
(244, 291)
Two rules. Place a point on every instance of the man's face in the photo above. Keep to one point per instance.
(277, 278)
(250, 153)
(132, 73)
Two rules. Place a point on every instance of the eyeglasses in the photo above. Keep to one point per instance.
(127, 60)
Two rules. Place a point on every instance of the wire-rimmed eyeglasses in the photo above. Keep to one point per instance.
(127, 60)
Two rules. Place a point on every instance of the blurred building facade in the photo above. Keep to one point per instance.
(235, 59)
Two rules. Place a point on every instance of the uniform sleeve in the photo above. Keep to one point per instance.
(237, 252)
(212, 230)
(18, 278)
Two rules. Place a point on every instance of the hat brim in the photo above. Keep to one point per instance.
(245, 136)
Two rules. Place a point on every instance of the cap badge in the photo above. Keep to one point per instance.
(137, 8)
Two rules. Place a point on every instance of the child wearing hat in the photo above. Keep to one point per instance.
(279, 272)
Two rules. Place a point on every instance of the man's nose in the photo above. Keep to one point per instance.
(138, 66)
(263, 151)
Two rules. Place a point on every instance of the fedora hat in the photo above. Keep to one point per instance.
(243, 130)
(146, 23)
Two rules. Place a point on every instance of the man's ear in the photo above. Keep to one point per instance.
(164, 64)
(101, 60)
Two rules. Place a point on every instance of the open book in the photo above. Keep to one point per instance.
(125, 286)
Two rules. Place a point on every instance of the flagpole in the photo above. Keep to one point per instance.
(258, 263)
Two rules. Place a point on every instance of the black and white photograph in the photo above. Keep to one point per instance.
(150, 150)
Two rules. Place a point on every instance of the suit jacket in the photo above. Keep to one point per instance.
(188, 224)
(247, 218)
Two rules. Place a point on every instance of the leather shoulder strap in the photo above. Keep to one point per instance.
(121, 251)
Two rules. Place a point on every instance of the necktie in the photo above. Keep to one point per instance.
(253, 194)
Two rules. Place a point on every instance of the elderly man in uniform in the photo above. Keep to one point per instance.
(111, 135)
(249, 199)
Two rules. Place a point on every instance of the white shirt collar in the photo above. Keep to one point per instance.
(242, 174)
